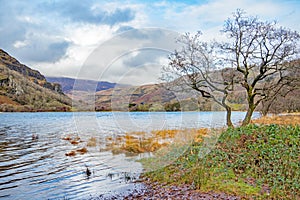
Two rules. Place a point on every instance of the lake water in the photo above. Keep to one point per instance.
(33, 168)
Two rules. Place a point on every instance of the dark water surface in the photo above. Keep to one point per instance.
(37, 168)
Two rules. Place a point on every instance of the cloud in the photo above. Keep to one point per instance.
(10, 29)
(39, 32)
(28, 37)
(119, 15)
(85, 11)
(210, 14)
(144, 57)
(124, 28)
(138, 52)
(41, 51)
(60, 37)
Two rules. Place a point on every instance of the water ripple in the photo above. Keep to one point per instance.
(37, 168)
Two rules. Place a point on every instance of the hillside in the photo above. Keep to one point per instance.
(153, 97)
(157, 97)
(89, 95)
(67, 84)
(25, 89)
(13, 64)
(133, 98)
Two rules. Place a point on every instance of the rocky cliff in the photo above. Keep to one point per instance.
(25, 89)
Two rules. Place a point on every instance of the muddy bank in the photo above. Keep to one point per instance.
(159, 191)
(148, 190)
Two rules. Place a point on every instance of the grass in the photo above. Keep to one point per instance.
(92, 142)
(288, 119)
(256, 161)
(141, 142)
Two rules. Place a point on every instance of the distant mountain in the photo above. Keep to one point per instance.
(68, 84)
(153, 97)
(25, 89)
(132, 97)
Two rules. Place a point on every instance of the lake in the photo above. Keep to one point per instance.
(33, 164)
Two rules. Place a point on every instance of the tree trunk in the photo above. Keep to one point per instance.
(228, 116)
(248, 116)
(251, 106)
(265, 108)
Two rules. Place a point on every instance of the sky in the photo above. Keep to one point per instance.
(118, 41)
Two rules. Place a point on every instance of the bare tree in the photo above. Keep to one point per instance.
(258, 50)
(254, 53)
(281, 95)
(195, 66)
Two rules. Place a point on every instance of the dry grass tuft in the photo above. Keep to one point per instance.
(73, 139)
(92, 142)
(82, 150)
(141, 142)
(67, 138)
(199, 133)
(165, 133)
(288, 119)
(71, 153)
(142, 145)
(74, 142)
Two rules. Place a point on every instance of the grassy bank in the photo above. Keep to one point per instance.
(256, 161)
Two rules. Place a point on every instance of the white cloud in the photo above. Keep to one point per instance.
(20, 44)
(88, 34)
(28, 19)
(81, 38)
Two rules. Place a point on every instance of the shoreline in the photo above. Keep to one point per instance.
(146, 189)
(175, 190)
(155, 190)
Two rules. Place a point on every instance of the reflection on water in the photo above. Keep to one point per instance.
(33, 164)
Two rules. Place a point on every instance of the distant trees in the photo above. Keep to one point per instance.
(257, 57)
